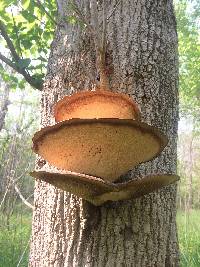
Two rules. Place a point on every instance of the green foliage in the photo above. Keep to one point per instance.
(189, 238)
(188, 168)
(23, 63)
(30, 26)
(16, 156)
(187, 13)
(14, 240)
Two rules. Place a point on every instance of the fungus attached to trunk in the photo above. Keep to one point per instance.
(99, 134)
(105, 148)
(98, 191)
(96, 104)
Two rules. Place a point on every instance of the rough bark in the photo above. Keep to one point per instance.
(142, 59)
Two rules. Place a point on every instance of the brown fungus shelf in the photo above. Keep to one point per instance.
(98, 191)
(96, 104)
(105, 148)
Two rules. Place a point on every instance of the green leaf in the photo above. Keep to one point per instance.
(26, 3)
(28, 16)
(4, 4)
(189, 54)
(21, 84)
(42, 59)
(13, 79)
(38, 76)
(31, 32)
(27, 43)
(23, 63)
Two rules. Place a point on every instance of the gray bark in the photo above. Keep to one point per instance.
(142, 57)
(4, 105)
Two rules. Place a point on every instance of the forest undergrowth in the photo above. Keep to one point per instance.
(15, 237)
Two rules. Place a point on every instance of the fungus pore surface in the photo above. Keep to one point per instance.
(97, 191)
(96, 104)
(105, 148)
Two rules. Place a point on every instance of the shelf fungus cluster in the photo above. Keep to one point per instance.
(98, 136)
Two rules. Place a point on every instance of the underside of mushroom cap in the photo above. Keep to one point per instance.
(96, 104)
(82, 185)
(105, 148)
(137, 188)
(97, 191)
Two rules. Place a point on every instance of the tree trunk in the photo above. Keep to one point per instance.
(190, 174)
(142, 58)
(4, 104)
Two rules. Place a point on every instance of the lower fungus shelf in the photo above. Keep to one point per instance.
(98, 191)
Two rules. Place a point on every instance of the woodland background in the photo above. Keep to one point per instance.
(30, 26)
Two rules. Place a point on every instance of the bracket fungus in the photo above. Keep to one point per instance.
(96, 104)
(98, 191)
(98, 136)
(105, 148)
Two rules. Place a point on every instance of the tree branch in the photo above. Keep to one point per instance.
(9, 42)
(33, 82)
(4, 105)
(45, 11)
(9, 62)
(21, 196)
(4, 196)
(17, 35)
(32, 15)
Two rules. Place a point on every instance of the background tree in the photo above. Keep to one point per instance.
(188, 14)
(16, 158)
(16, 186)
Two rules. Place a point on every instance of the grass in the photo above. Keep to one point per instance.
(14, 240)
(189, 237)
